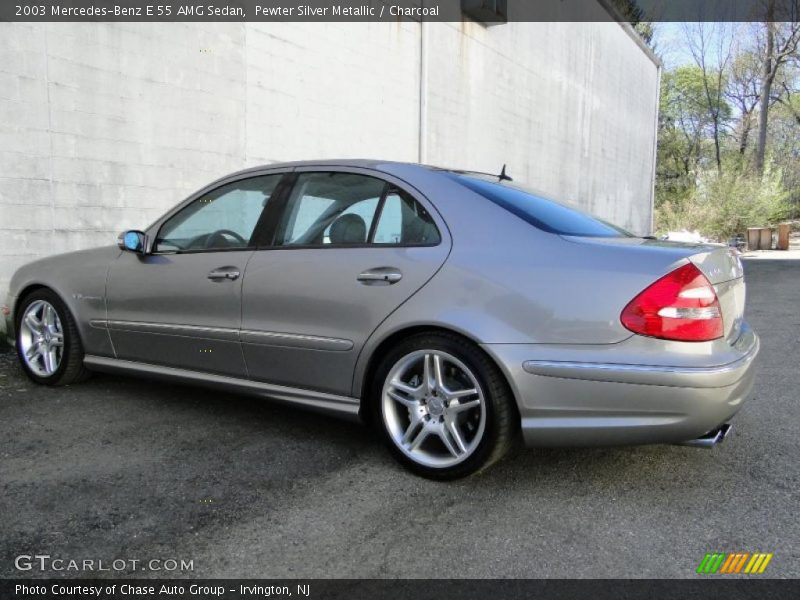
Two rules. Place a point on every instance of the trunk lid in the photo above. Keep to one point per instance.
(721, 266)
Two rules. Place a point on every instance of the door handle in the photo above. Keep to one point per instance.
(220, 274)
(380, 276)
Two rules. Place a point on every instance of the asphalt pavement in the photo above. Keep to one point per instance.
(134, 470)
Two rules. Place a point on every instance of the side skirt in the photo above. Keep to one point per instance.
(343, 406)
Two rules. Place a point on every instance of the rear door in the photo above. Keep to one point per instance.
(349, 246)
(180, 305)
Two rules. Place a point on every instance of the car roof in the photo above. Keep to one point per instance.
(364, 163)
(388, 167)
(367, 163)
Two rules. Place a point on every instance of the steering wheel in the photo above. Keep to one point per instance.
(213, 240)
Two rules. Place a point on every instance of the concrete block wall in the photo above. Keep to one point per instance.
(570, 107)
(105, 126)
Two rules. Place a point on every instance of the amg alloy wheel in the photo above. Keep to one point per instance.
(444, 407)
(48, 343)
(41, 338)
(433, 408)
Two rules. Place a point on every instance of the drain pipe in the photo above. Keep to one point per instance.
(654, 173)
(422, 150)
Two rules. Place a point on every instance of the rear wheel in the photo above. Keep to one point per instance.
(48, 343)
(444, 407)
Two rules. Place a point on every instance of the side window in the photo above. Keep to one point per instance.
(330, 209)
(222, 219)
(405, 221)
(340, 209)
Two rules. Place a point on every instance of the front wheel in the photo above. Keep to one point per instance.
(48, 344)
(445, 408)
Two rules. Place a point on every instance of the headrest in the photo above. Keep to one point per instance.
(348, 229)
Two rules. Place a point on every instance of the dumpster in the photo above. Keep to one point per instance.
(753, 238)
(783, 236)
(765, 242)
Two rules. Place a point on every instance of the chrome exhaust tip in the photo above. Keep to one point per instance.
(712, 438)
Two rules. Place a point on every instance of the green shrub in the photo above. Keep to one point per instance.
(723, 205)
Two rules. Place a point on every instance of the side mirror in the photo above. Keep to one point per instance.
(132, 241)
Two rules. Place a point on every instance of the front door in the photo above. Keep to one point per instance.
(180, 305)
(348, 248)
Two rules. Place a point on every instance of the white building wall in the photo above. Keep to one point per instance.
(105, 126)
(570, 107)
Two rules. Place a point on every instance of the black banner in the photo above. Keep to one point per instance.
(488, 12)
(349, 589)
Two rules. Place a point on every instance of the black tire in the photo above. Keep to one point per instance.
(502, 427)
(71, 369)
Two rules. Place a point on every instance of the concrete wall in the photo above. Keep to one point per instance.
(105, 126)
(570, 107)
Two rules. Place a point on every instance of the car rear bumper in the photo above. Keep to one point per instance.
(590, 401)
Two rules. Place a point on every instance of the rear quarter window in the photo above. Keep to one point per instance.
(543, 213)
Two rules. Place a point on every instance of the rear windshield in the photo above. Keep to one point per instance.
(540, 212)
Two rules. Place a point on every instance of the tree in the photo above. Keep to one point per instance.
(743, 91)
(783, 142)
(686, 109)
(711, 48)
(709, 128)
(633, 14)
(780, 47)
(683, 126)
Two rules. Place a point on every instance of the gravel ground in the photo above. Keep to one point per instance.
(121, 468)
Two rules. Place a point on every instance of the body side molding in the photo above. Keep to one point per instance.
(263, 338)
(332, 403)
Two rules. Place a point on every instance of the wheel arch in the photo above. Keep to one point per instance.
(27, 291)
(70, 368)
(366, 408)
(36, 286)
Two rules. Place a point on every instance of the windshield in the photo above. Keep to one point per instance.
(540, 212)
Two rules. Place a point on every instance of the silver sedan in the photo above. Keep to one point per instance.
(456, 312)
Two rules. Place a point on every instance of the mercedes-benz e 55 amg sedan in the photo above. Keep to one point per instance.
(455, 311)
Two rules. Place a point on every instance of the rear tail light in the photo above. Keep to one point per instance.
(682, 305)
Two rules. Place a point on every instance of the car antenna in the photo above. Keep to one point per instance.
(503, 176)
